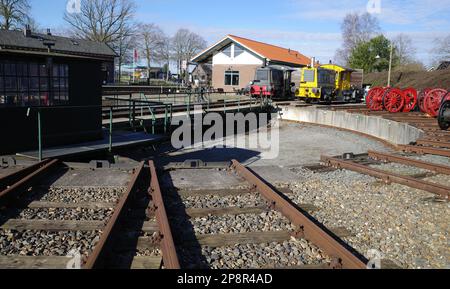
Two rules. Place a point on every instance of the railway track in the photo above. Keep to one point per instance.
(366, 164)
(49, 221)
(247, 223)
(435, 141)
(42, 223)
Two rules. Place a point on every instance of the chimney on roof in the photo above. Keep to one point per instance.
(313, 61)
(331, 62)
(49, 32)
(27, 30)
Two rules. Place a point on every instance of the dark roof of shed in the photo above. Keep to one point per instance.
(16, 40)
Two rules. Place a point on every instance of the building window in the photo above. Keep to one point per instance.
(227, 51)
(238, 50)
(29, 84)
(232, 78)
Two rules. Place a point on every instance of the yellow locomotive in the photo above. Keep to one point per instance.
(326, 83)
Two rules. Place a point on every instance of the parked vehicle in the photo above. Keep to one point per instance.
(329, 83)
(272, 81)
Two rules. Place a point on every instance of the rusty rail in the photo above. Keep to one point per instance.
(424, 150)
(94, 257)
(25, 177)
(342, 257)
(388, 177)
(410, 162)
(436, 144)
(169, 252)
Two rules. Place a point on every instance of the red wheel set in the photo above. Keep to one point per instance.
(396, 100)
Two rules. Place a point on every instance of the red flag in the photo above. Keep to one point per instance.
(136, 56)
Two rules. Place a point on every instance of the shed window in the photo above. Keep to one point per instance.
(232, 78)
(227, 51)
(29, 84)
(238, 50)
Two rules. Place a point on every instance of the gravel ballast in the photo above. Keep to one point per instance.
(41, 243)
(404, 224)
(83, 194)
(264, 256)
(77, 214)
(213, 201)
(265, 222)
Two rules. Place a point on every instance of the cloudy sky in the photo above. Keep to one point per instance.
(312, 27)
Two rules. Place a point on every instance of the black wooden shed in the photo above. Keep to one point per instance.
(58, 76)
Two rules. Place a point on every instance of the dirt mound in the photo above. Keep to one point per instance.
(417, 79)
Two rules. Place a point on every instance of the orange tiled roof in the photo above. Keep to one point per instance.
(274, 52)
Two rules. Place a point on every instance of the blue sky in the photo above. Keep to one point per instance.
(312, 27)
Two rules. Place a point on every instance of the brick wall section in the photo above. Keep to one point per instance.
(246, 74)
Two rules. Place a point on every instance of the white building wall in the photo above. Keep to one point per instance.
(243, 59)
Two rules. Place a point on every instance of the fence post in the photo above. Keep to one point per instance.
(110, 128)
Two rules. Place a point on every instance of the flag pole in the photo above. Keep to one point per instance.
(134, 64)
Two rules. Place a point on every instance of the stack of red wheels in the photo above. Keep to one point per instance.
(396, 100)
(433, 100)
(392, 99)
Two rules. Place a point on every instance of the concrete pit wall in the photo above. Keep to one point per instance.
(393, 132)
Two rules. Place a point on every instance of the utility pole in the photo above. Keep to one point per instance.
(390, 65)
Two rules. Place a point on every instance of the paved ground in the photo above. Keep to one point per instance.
(299, 144)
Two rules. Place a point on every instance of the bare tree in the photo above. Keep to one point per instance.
(356, 29)
(124, 48)
(14, 14)
(105, 21)
(441, 51)
(163, 53)
(151, 38)
(186, 45)
(405, 49)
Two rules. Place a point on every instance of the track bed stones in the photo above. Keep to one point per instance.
(236, 241)
(439, 179)
(288, 254)
(432, 159)
(233, 224)
(42, 243)
(79, 214)
(400, 222)
(215, 201)
(401, 169)
(83, 194)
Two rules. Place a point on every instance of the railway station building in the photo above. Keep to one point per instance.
(61, 78)
(234, 61)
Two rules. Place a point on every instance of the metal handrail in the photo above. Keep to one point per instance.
(40, 109)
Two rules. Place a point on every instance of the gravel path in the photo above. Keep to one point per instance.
(404, 224)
